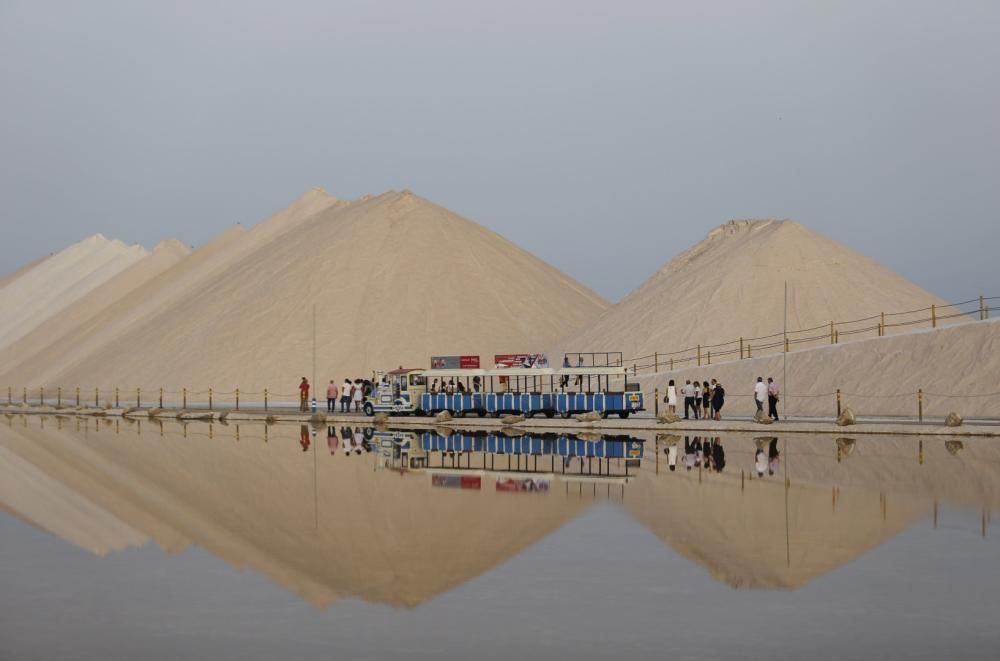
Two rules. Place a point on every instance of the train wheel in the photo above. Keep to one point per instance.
(495, 414)
(549, 414)
(368, 409)
(604, 415)
(623, 414)
(458, 414)
(565, 414)
(481, 413)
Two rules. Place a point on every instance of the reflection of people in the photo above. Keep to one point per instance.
(692, 452)
(718, 455)
(332, 442)
(304, 437)
(304, 395)
(672, 457)
(760, 462)
(773, 457)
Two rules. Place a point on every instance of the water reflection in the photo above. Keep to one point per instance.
(763, 512)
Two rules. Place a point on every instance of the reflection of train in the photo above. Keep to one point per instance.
(604, 389)
(553, 453)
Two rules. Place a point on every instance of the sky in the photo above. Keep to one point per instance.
(603, 137)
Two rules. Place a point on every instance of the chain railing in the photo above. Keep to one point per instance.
(830, 333)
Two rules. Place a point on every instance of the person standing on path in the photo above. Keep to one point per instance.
(358, 394)
(706, 399)
(345, 397)
(331, 397)
(772, 399)
(697, 400)
(304, 395)
(760, 394)
(671, 398)
(689, 399)
(718, 399)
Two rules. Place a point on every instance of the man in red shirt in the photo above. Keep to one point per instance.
(304, 395)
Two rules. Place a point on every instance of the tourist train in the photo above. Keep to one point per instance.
(520, 384)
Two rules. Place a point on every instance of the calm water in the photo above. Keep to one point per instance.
(127, 540)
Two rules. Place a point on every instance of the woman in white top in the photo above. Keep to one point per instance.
(697, 400)
(358, 396)
(671, 398)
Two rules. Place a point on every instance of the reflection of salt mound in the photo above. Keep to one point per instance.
(327, 528)
(394, 279)
(732, 284)
(55, 282)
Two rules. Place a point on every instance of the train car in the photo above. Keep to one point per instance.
(398, 392)
(531, 391)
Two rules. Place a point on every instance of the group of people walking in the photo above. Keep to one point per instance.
(703, 400)
(766, 392)
(348, 393)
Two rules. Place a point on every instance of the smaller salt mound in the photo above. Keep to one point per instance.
(64, 328)
(59, 280)
(11, 277)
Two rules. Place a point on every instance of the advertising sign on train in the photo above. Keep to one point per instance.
(522, 485)
(521, 360)
(454, 362)
(451, 481)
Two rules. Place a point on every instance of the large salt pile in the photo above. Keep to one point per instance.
(57, 281)
(731, 284)
(394, 279)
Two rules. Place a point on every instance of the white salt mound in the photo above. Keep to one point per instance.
(395, 279)
(731, 284)
(59, 280)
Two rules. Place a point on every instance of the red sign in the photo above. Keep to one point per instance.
(454, 362)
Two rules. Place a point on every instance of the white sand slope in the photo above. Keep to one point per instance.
(956, 367)
(731, 284)
(395, 279)
(64, 329)
(59, 280)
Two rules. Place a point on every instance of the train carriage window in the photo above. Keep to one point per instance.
(418, 380)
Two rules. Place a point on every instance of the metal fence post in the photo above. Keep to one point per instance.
(656, 362)
(656, 401)
(982, 310)
(59, 396)
(116, 396)
(138, 397)
(161, 398)
(185, 400)
(933, 316)
(78, 395)
(749, 353)
(831, 332)
(699, 355)
(41, 394)
(237, 399)
(920, 404)
(265, 400)
(10, 395)
(838, 402)
(97, 397)
(741, 348)
(881, 326)
(24, 395)
(209, 398)
(709, 357)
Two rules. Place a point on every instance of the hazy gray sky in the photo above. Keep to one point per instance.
(604, 137)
